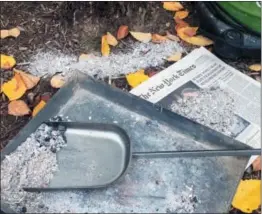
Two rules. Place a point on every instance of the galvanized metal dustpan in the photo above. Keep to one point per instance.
(99, 154)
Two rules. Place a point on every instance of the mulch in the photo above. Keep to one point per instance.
(77, 28)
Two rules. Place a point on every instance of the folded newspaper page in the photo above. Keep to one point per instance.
(205, 89)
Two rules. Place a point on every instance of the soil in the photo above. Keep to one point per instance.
(75, 28)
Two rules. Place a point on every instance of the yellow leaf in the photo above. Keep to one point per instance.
(15, 88)
(14, 32)
(38, 107)
(29, 80)
(105, 49)
(4, 34)
(57, 81)
(134, 79)
(172, 6)
(181, 14)
(255, 67)
(18, 108)
(194, 40)
(111, 40)
(175, 57)
(156, 38)
(247, 197)
(7, 62)
(83, 57)
(172, 37)
(142, 37)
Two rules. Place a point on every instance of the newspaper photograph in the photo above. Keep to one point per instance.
(206, 90)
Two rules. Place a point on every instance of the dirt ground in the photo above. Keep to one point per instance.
(76, 28)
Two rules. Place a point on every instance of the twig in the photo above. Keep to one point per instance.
(23, 63)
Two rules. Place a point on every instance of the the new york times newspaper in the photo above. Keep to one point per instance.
(199, 70)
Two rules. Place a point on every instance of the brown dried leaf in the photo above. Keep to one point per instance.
(180, 24)
(142, 37)
(172, 37)
(18, 108)
(57, 81)
(181, 14)
(122, 32)
(156, 38)
(175, 57)
(190, 31)
(257, 164)
(255, 67)
(29, 80)
(105, 49)
(111, 40)
(4, 34)
(173, 6)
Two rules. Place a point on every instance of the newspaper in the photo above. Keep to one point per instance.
(200, 70)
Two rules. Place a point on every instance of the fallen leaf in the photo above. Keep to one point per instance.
(194, 40)
(57, 81)
(181, 14)
(180, 23)
(173, 6)
(29, 80)
(142, 37)
(7, 62)
(122, 32)
(190, 31)
(14, 32)
(156, 38)
(105, 49)
(83, 57)
(134, 79)
(15, 88)
(4, 34)
(257, 164)
(172, 37)
(247, 197)
(255, 67)
(111, 40)
(18, 108)
(38, 107)
(175, 57)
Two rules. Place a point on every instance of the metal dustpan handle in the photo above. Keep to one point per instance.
(197, 153)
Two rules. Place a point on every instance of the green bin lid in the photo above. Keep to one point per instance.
(246, 13)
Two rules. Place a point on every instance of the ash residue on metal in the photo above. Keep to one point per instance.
(31, 165)
(212, 107)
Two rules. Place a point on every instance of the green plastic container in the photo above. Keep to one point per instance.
(246, 13)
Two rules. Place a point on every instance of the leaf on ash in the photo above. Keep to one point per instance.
(7, 62)
(142, 37)
(156, 38)
(29, 80)
(111, 40)
(180, 23)
(15, 88)
(38, 107)
(255, 67)
(173, 6)
(83, 57)
(57, 81)
(190, 31)
(172, 37)
(122, 32)
(247, 197)
(181, 14)
(194, 40)
(135, 79)
(257, 164)
(105, 49)
(18, 108)
(175, 57)
(14, 32)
